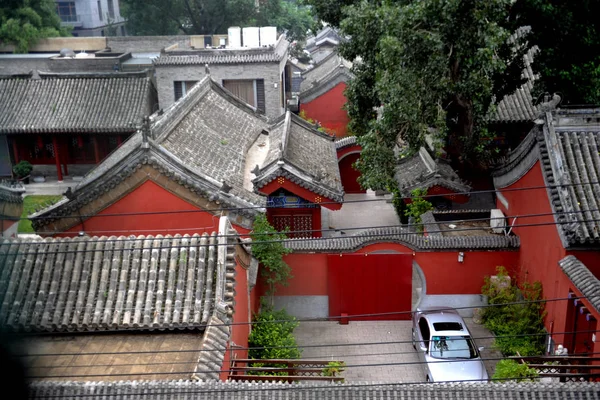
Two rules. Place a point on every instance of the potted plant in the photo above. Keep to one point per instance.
(22, 171)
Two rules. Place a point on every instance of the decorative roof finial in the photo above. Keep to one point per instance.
(145, 131)
(206, 69)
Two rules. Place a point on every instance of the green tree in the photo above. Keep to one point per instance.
(24, 22)
(208, 17)
(428, 66)
(268, 248)
(568, 35)
(418, 206)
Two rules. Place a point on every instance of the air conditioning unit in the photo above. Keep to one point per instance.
(234, 34)
(268, 36)
(251, 37)
(497, 221)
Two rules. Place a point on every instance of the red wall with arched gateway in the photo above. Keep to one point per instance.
(443, 273)
(350, 175)
(328, 110)
(150, 198)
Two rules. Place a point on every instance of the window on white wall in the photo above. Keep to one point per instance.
(111, 9)
(182, 88)
(100, 10)
(66, 11)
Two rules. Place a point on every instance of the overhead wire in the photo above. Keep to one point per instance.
(166, 212)
(337, 317)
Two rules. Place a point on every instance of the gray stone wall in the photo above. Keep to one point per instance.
(12, 66)
(142, 44)
(270, 72)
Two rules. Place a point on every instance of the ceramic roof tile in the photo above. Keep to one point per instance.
(583, 279)
(520, 106)
(403, 236)
(345, 142)
(332, 70)
(184, 390)
(299, 151)
(104, 284)
(422, 171)
(93, 103)
(568, 147)
(225, 56)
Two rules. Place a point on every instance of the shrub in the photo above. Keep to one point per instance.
(273, 340)
(511, 370)
(22, 169)
(418, 206)
(522, 324)
(334, 368)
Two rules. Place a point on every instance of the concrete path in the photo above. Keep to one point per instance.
(350, 347)
(50, 187)
(348, 343)
(357, 214)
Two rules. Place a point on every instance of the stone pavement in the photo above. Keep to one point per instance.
(50, 187)
(341, 345)
(330, 333)
(358, 214)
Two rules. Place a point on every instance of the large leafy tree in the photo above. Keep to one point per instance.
(201, 17)
(568, 35)
(430, 66)
(23, 22)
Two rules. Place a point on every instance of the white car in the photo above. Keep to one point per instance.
(445, 346)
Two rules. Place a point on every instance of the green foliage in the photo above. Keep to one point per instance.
(511, 370)
(208, 17)
(334, 368)
(418, 206)
(24, 22)
(426, 65)
(269, 250)
(31, 204)
(399, 204)
(568, 34)
(273, 340)
(523, 323)
(22, 169)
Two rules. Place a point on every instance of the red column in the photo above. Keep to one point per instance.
(65, 159)
(15, 149)
(96, 150)
(57, 158)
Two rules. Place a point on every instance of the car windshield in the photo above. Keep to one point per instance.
(452, 347)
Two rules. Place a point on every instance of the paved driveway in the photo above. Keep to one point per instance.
(346, 339)
(349, 343)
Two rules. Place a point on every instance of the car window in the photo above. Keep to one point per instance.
(452, 347)
(424, 328)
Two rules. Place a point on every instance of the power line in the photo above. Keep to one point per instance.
(142, 213)
(332, 229)
(337, 317)
(364, 235)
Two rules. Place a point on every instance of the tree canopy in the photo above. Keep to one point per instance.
(431, 67)
(23, 22)
(568, 35)
(206, 17)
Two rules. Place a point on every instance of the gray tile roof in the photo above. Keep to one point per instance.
(11, 193)
(327, 35)
(192, 144)
(325, 75)
(67, 103)
(345, 142)
(303, 154)
(422, 171)
(212, 142)
(520, 106)
(105, 284)
(225, 56)
(568, 147)
(405, 237)
(183, 390)
(583, 279)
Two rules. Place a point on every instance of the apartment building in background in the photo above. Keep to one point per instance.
(92, 17)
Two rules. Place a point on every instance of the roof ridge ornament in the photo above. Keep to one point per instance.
(206, 69)
(145, 131)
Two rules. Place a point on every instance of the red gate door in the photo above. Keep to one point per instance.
(349, 175)
(360, 285)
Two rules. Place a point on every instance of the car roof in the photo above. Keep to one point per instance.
(444, 315)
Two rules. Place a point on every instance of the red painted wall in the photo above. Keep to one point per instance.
(239, 330)
(149, 197)
(443, 273)
(541, 247)
(327, 109)
(350, 175)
